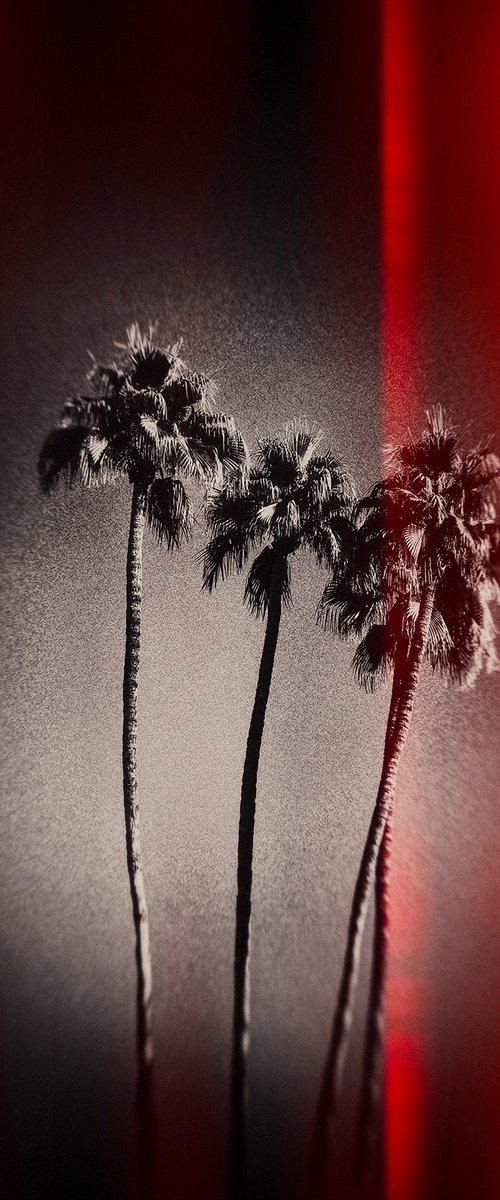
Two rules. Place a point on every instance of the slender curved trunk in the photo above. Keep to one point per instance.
(241, 1008)
(368, 1153)
(134, 862)
(334, 1067)
(368, 1162)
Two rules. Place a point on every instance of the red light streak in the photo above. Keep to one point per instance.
(406, 1090)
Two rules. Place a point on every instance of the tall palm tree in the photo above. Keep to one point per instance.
(461, 642)
(148, 421)
(294, 498)
(419, 583)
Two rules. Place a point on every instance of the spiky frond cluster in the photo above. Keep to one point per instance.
(432, 521)
(293, 496)
(149, 420)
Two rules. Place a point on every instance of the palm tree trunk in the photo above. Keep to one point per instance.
(134, 862)
(368, 1151)
(241, 1009)
(334, 1067)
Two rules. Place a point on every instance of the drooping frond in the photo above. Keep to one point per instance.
(230, 514)
(355, 613)
(354, 591)
(228, 508)
(439, 642)
(341, 527)
(155, 444)
(220, 434)
(223, 554)
(330, 486)
(168, 512)
(264, 569)
(199, 461)
(465, 601)
(107, 381)
(322, 539)
(88, 412)
(60, 456)
(372, 659)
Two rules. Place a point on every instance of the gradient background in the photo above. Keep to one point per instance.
(309, 193)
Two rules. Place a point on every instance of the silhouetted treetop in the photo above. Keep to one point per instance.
(293, 496)
(149, 420)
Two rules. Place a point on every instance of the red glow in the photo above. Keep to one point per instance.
(401, 211)
(406, 1072)
(406, 1085)
(441, 300)
(406, 1089)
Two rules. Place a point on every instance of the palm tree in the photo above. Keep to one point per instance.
(458, 647)
(418, 584)
(294, 498)
(148, 421)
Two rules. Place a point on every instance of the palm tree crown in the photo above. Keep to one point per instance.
(149, 420)
(430, 523)
(416, 580)
(292, 497)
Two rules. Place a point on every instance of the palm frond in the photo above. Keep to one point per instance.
(322, 541)
(190, 390)
(260, 579)
(199, 461)
(439, 642)
(223, 554)
(89, 412)
(107, 381)
(351, 613)
(302, 440)
(168, 512)
(229, 509)
(60, 456)
(372, 660)
(340, 489)
(157, 445)
(219, 433)
(279, 461)
(413, 537)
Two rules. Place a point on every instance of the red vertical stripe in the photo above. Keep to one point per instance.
(406, 1092)
(402, 191)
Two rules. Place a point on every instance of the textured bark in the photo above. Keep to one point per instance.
(368, 1154)
(368, 1161)
(134, 862)
(241, 1009)
(334, 1067)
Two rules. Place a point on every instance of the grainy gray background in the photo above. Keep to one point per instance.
(287, 345)
(289, 314)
